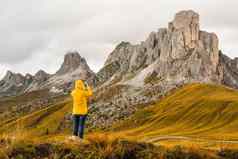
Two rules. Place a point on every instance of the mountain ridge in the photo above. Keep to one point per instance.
(74, 67)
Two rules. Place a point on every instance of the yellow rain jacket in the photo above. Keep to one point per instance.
(80, 97)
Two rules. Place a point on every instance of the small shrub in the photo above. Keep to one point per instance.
(179, 153)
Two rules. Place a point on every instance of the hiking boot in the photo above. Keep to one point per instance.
(73, 138)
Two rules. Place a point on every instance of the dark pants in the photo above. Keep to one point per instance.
(79, 122)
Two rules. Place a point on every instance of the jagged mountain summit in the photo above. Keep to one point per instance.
(13, 83)
(71, 62)
(39, 78)
(179, 54)
(74, 67)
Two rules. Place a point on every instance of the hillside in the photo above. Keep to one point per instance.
(14, 107)
(196, 110)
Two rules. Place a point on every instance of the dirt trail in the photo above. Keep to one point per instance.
(184, 138)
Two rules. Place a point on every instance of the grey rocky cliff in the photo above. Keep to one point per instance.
(186, 24)
(181, 53)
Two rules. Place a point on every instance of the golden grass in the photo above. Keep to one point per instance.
(196, 110)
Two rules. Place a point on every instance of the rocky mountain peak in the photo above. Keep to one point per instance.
(41, 76)
(121, 52)
(73, 68)
(72, 60)
(187, 36)
(123, 44)
(8, 75)
(28, 75)
(188, 23)
(14, 78)
(181, 53)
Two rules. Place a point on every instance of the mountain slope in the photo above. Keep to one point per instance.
(197, 110)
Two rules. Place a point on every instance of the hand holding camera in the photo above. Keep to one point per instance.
(86, 85)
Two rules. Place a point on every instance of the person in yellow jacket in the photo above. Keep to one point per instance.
(80, 95)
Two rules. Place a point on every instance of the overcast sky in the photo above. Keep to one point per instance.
(35, 34)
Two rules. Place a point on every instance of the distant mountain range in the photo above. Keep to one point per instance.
(74, 67)
(168, 58)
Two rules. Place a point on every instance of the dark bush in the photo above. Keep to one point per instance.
(179, 153)
(228, 154)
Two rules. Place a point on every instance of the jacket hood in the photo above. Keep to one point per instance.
(79, 85)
